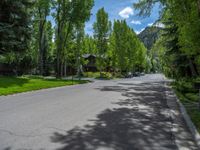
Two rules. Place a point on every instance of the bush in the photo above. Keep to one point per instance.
(105, 75)
(188, 94)
(194, 97)
(185, 86)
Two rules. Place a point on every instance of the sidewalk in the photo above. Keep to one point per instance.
(183, 136)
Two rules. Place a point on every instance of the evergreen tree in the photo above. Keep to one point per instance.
(185, 15)
(15, 22)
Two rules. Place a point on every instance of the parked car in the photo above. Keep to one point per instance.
(129, 75)
(142, 73)
(136, 74)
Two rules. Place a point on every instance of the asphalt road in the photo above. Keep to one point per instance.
(126, 114)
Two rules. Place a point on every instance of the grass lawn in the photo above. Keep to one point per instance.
(12, 85)
(189, 98)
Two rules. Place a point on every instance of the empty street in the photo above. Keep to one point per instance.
(121, 114)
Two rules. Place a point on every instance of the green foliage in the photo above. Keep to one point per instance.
(98, 75)
(44, 36)
(194, 114)
(128, 54)
(194, 97)
(181, 37)
(15, 31)
(69, 15)
(48, 50)
(145, 6)
(14, 25)
(78, 49)
(21, 62)
(189, 97)
(185, 86)
(89, 45)
(102, 28)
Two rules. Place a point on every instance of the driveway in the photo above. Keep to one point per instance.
(125, 114)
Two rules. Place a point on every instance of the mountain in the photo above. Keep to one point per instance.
(149, 36)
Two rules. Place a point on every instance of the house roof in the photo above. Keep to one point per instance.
(93, 55)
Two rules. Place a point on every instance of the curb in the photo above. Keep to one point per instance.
(187, 119)
(189, 123)
(171, 114)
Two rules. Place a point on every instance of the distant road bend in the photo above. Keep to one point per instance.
(123, 114)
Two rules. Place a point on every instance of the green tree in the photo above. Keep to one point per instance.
(112, 53)
(129, 54)
(14, 25)
(42, 10)
(102, 28)
(89, 46)
(15, 31)
(68, 14)
(79, 49)
(185, 15)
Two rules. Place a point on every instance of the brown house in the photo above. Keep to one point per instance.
(91, 63)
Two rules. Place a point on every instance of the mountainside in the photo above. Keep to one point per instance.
(149, 36)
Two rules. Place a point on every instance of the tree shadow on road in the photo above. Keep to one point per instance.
(113, 89)
(138, 123)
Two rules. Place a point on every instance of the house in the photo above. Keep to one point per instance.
(90, 66)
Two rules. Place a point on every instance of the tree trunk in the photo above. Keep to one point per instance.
(42, 40)
(61, 70)
(198, 3)
(58, 42)
(59, 48)
(192, 68)
(58, 65)
(41, 69)
(100, 70)
(65, 69)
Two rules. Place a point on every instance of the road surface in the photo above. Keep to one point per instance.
(125, 114)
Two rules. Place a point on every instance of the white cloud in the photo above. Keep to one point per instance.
(138, 32)
(136, 22)
(160, 25)
(126, 12)
(150, 24)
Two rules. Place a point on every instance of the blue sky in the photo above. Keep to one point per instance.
(122, 9)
